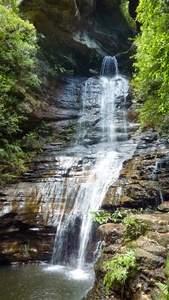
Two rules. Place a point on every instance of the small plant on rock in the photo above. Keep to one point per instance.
(164, 288)
(134, 227)
(118, 269)
(164, 291)
(102, 216)
(116, 216)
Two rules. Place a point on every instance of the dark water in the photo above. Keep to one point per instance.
(44, 283)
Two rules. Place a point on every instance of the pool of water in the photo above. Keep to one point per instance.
(44, 282)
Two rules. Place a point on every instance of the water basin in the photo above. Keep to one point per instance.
(44, 282)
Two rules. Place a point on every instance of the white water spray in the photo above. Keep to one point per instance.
(89, 166)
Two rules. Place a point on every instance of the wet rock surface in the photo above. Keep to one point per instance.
(143, 182)
(29, 208)
(86, 31)
(28, 217)
(55, 102)
(163, 207)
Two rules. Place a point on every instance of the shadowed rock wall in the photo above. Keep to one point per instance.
(79, 32)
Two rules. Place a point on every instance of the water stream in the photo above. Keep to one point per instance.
(84, 172)
(97, 152)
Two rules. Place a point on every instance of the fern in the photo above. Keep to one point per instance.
(118, 269)
(134, 227)
(101, 216)
(12, 160)
(164, 290)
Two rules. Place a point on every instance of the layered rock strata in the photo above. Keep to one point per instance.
(30, 208)
(144, 179)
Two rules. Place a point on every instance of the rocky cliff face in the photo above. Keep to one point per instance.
(30, 207)
(74, 36)
(143, 183)
(27, 218)
(79, 33)
(144, 179)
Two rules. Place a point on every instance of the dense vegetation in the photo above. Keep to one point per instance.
(151, 79)
(18, 44)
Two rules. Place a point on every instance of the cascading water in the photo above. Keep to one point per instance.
(95, 159)
(109, 67)
(73, 183)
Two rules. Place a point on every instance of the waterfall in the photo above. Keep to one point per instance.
(88, 166)
(109, 66)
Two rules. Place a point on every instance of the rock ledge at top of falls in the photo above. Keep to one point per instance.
(74, 35)
(80, 32)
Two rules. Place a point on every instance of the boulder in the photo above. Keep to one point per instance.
(111, 233)
(163, 207)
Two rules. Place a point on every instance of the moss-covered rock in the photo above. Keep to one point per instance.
(150, 253)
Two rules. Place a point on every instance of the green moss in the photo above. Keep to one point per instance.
(125, 10)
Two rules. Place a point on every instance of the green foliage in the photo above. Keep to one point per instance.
(151, 80)
(18, 46)
(11, 158)
(118, 269)
(134, 227)
(166, 270)
(35, 139)
(124, 6)
(164, 291)
(10, 115)
(116, 216)
(102, 216)
(10, 4)
(164, 288)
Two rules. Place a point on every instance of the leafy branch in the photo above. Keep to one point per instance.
(151, 78)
